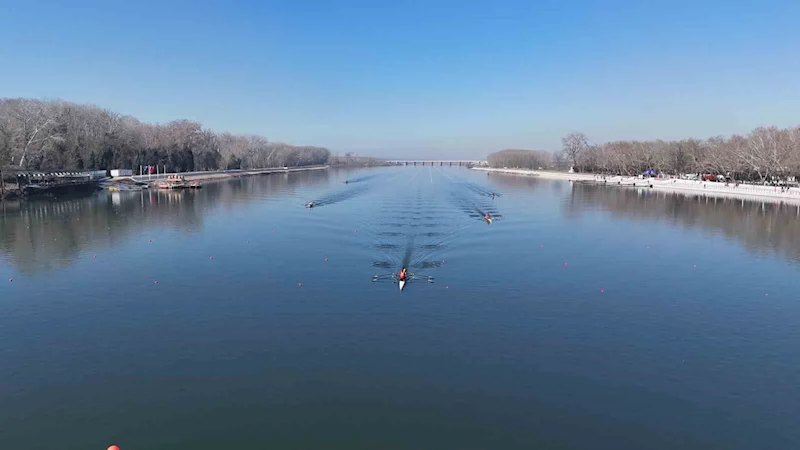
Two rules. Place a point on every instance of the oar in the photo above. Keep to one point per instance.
(428, 277)
(382, 277)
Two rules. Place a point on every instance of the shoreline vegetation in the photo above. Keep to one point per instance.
(762, 164)
(52, 137)
(56, 135)
(765, 155)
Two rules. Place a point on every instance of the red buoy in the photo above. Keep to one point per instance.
(113, 447)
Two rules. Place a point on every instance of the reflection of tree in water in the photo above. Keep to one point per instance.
(758, 225)
(250, 188)
(528, 183)
(44, 235)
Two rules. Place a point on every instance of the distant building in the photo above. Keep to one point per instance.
(121, 172)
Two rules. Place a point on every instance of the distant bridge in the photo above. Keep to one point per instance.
(454, 162)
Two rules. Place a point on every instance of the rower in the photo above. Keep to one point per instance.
(488, 217)
(402, 275)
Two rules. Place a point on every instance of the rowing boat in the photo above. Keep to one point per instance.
(402, 284)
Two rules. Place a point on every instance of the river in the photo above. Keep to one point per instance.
(233, 316)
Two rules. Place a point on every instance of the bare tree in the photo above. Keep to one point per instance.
(61, 135)
(573, 145)
(525, 159)
(35, 126)
(766, 154)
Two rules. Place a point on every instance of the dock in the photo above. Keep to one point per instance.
(177, 182)
(35, 183)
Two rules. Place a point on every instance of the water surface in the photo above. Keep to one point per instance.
(582, 317)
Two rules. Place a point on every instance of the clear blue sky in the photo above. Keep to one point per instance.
(449, 78)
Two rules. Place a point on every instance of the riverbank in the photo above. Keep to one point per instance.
(547, 174)
(741, 191)
(220, 174)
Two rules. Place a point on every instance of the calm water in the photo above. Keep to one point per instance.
(583, 317)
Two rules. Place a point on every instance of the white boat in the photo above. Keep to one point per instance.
(402, 284)
(488, 221)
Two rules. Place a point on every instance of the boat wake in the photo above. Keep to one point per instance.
(361, 179)
(338, 197)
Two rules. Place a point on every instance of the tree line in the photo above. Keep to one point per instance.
(766, 153)
(521, 159)
(351, 159)
(50, 135)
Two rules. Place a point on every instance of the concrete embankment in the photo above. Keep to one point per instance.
(223, 174)
(716, 189)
